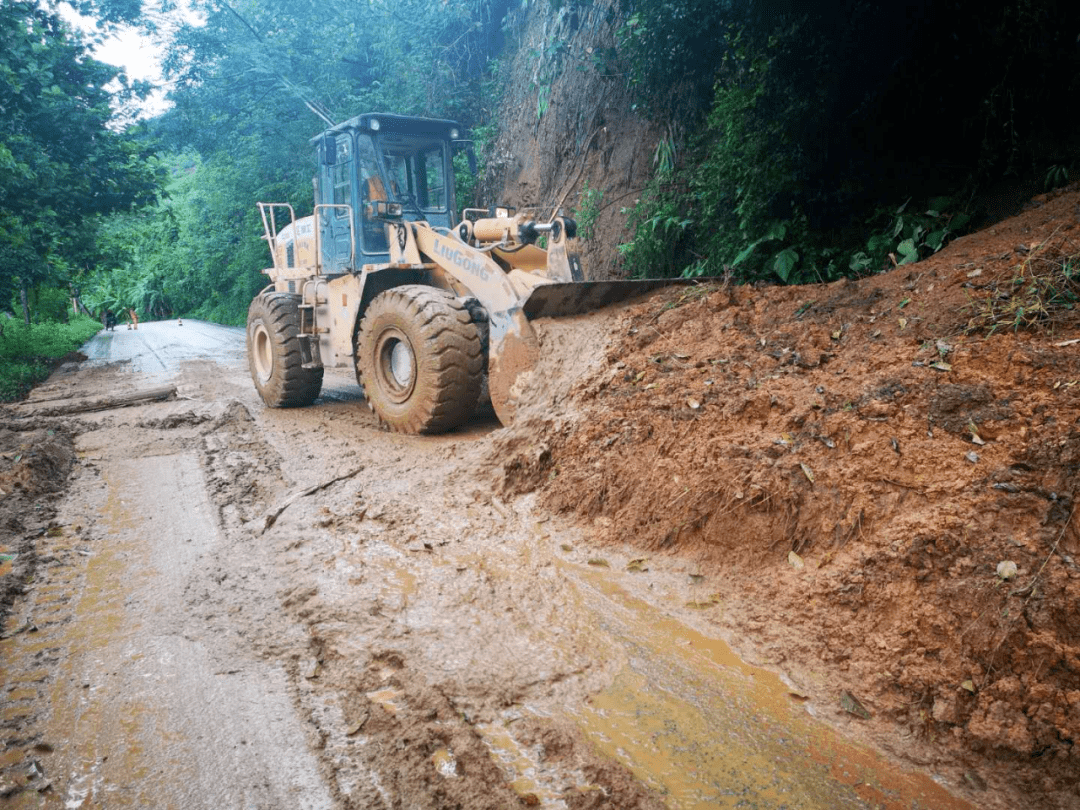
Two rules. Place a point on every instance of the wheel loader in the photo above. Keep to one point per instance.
(382, 278)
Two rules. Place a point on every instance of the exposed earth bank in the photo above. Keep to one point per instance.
(878, 476)
(212, 604)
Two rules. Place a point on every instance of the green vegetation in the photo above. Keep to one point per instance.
(817, 117)
(798, 145)
(28, 353)
(251, 87)
(1042, 294)
(65, 163)
(588, 210)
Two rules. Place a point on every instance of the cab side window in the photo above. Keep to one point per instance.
(373, 232)
(340, 175)
(432, 179)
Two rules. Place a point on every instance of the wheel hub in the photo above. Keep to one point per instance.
(395, 365)
(262, 352)
(401, 363)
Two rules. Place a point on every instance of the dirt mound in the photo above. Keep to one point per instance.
(889, 491)
(34, 465)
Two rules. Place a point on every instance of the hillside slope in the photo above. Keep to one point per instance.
(567, 125)
(852, 465)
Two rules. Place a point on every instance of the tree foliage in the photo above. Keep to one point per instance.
(842, 139)
(253, 83)
(63, 164)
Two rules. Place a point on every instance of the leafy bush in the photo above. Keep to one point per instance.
(588, 210)
(903, 236)
(732, 203)
(738, 202)
(663, 42)
(28, 353)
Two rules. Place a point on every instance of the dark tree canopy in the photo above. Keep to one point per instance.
(62, 163)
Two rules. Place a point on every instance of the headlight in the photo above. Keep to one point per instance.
(374, 125)
(381, 209)
(454, 134)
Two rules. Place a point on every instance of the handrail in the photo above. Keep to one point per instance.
(270, 230)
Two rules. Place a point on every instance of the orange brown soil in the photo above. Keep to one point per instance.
(34, 466)
(852, 463)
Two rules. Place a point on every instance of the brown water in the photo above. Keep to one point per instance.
(685, 714)
(706, 729)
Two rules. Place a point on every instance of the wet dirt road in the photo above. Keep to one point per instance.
(245, 608)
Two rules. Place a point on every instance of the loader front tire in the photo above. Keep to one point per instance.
(419, 359)
(273, 352)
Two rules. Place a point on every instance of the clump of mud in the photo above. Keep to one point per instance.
(243, 472)
(35, 462)
(890, 492)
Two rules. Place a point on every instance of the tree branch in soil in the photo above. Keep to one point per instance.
(271, 517)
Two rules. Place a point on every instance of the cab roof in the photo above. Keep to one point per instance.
(397, 124)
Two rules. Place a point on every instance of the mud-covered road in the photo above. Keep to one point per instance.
(234, 607)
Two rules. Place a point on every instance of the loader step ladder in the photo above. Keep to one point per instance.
(310, 356)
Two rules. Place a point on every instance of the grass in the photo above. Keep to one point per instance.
(28, 354)
(1042, 294)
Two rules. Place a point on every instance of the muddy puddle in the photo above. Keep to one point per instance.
(687, 717)
(705, 729)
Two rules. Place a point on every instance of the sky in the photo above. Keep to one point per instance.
(138, 54)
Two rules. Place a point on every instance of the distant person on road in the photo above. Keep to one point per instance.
(133, 319)
(110, 321)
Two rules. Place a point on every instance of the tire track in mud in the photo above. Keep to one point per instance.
(387, 737)
(119, 695)
(439, 646)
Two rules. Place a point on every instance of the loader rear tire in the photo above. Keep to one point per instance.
(273, 352)
(419, 359)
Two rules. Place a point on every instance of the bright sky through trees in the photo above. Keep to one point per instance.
(134, 50)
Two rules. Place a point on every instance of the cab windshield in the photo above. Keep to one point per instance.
(415, 169)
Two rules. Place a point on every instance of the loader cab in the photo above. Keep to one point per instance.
(376, 157)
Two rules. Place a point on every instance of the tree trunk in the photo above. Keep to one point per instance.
(63, 405)
(25, 303)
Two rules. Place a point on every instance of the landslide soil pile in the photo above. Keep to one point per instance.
(856, 462)
(35, 462)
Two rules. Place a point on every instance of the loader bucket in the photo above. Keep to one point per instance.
(514, 349)
(577, 297)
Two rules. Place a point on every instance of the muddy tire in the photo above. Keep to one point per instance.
(273, 352)
(419, 359)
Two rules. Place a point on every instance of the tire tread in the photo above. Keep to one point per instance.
(290, 384)
(450, 356)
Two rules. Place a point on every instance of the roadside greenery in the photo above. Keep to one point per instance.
(811, 143)
(253, 85)
(832, 135)
(65, 160)
(28, 353)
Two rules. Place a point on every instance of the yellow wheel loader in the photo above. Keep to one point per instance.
(381, 277)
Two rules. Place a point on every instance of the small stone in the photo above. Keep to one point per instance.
(972, 456)
(974, 780)
(1006, 569)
